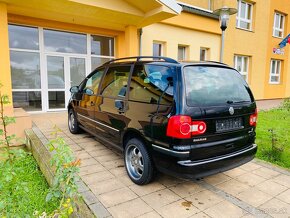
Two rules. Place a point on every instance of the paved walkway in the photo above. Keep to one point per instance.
(255, 189)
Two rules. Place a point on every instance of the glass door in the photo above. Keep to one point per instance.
(63, 72)
(77, 70)
(56, 82)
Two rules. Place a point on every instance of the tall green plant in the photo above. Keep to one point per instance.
(8, 155)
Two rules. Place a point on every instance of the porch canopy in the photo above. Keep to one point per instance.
(108, 14)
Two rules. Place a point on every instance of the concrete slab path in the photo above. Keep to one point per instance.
(256, 189)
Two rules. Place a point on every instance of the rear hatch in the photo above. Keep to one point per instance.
(218, 97)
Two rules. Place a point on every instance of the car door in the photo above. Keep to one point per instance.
(85, 108)
(112, 105)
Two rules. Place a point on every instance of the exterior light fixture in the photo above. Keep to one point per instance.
(224, 16)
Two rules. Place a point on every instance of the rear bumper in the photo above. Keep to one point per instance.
(172, 162)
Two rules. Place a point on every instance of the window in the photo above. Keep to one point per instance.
(25, 67)
(65, 42)
(278, 28)
(244, 16)
(102, 45)
(203, 54)
(93, 81)
(149, 82)
(182, 52)
(275, 72)
(211, 86)
(242, 65)
(157, 49)
(115, 82)
(23, 37)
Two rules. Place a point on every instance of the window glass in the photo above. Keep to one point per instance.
(77, 70)
(25, 70)
(97, 61)
(157, 49)
(210, 86)
(102, 45)
(115, 82)
(203, 54)
(275, 71)
(23, 37)
(56, 99)
(244, 15)
(29, 101)
(65, 42)
(149, 83)
(94, 81)
(241, 65)
(278, 28)
(181, 52)
(55, 72)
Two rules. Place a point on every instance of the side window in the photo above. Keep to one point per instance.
(115, 82)
(92, 84)
(150, 82)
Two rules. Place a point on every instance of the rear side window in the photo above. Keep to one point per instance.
(115, 82)
(151, 82)
(211, 86)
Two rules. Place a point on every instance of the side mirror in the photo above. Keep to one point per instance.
(74, 89)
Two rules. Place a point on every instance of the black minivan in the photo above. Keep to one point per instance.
(185, 119)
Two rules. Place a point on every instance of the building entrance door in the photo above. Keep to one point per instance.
(62, 72)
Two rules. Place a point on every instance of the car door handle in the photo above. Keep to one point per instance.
(93, 103)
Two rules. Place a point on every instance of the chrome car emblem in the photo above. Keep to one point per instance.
(231, 110)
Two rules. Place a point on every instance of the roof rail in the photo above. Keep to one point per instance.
(138, 58)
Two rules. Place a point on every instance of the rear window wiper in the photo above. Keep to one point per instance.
(234, 102)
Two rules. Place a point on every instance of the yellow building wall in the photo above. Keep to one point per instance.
(172, 36)
(278, 90)
(251, 43)
(186, 29)
(5, 75)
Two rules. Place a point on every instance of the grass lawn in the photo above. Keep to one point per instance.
(279, 121)
(26, 193)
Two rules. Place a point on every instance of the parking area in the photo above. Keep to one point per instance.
(256, 189)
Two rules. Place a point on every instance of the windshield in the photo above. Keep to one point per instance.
(211, 86)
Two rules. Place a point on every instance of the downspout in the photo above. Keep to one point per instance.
(140, 41)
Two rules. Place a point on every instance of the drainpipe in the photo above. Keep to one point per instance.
(140, 41)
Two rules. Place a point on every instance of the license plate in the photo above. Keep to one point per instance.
(229, 124)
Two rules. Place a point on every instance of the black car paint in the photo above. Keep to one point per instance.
(113, 125)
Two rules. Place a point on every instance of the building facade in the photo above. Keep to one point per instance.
(48, 46)
(251, 40)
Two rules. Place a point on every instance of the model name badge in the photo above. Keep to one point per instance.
(199, 140)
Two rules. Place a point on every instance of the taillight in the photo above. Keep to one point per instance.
(253, 118)
(182, 127)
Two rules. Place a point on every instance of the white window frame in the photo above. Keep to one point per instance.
(43, 65)
(161, 48)
(277, 71)
(206, 55)
(243, 72)
(239, 19)
(278, 28)
(184, 52)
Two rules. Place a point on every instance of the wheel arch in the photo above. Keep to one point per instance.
(133, 133)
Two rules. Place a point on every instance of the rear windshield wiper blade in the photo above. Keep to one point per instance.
(234, 102)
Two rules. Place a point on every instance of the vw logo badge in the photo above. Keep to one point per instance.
(231, 110)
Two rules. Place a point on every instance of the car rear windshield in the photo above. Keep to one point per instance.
(212, 86)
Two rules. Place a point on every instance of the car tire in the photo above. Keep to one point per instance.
(138, 162)
(73, 124)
